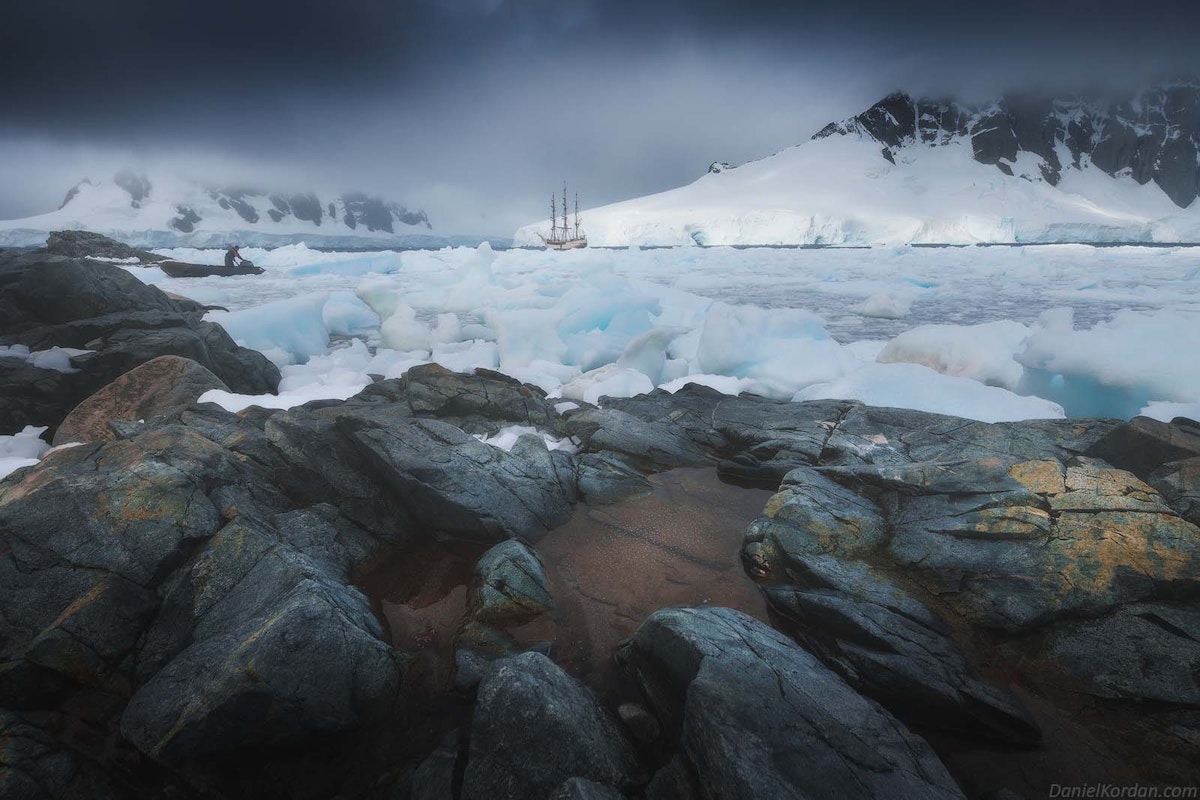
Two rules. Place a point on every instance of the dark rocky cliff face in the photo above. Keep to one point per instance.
(353, 209)
(376, 214)
(1153, 135)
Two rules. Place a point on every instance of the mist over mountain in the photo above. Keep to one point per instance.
(1151, 135)
(167, 209)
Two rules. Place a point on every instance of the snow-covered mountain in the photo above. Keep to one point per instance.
(168, 210)
(1019, 169)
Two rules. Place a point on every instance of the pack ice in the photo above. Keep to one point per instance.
(985, 333)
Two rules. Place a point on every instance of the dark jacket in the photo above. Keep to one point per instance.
(230, 255)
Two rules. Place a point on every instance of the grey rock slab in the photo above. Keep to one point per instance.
(452, 483)
(650, 446)
(534, 728)
(261, 641)
(1142, 652)
(606, 478)
(309, 663)
(893, 649)
(811, 514)
(766, 439)
(87, 534)
(1142, 445)
(480, 402)
(32, 766)
(1179, 484)
(761, 717)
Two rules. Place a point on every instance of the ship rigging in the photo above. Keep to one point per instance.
(564, 237)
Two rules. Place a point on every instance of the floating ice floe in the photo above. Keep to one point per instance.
(923, 389)
(506, 438)
(55, 358)
(885, 306)
(23, 449)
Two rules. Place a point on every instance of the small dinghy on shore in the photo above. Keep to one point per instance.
(178, 269)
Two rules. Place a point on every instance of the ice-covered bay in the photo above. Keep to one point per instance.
(992, 333)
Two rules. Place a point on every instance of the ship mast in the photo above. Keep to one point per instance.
(553, 218)
(564, 207)
(577, 215)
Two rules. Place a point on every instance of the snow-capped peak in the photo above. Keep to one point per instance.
(1152, 135)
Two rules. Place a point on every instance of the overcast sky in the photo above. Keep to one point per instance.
(476, 109)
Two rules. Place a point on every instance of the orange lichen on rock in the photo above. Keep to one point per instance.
(1096, 550)
(1044, 476)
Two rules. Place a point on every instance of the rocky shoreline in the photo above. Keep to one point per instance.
(193, 602)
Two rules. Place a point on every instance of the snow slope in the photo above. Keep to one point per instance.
(922, 172)
(841, 191)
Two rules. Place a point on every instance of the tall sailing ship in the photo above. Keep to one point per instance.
(564, 237)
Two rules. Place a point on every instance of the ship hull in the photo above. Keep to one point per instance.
(564, 244)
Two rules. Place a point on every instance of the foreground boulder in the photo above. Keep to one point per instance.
(399, 454)
(33, 766)
(1143, 652)
(1166, 456)
(453, 483)
(180, 617)
(49, 301)
(895, 650)
(877, 636)
(278, 647)
(535, 728)
(382, 463)
(1020, 543)
(157, 387)
(1049, 557)
(651, 446)
(86, 536)
(757, 716)
(1142, 445)
(510, 585)
(162, 586)
(1179, 484)
(481, 402)
(508, 588)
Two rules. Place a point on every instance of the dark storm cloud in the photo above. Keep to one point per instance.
(82, 50)
(478, 106)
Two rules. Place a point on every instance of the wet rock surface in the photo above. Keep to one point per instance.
(508, 588)
(510, 585)
(361, 598)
